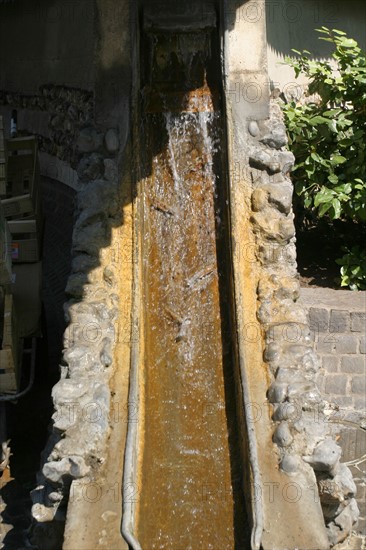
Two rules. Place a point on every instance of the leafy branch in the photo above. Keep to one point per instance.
(328, 135)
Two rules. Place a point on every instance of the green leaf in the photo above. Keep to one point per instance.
(318, 120)
(348, 43)
(337, 159)
(345, 188)
(308, 202)
(323, 29)
(325, 195)
(332, 113)
(316, 157)
(323, 209)
(337, 208)
(332, 125)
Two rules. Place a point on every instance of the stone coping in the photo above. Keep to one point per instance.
(329, 298)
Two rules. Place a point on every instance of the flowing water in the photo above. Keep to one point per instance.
(191, 491)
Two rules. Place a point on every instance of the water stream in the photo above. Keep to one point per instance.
(191, 482)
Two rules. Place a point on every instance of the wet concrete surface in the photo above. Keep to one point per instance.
(191, 487)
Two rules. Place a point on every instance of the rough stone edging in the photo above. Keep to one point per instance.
(77, 446)
(301, 432)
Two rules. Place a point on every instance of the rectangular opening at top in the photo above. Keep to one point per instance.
(166, 16)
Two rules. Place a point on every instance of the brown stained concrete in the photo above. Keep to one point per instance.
(292, 517)
(95, 506)
(284, 524)
(187, 495)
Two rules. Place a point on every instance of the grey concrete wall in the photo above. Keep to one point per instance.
(292, 24)
(113, 66)
(46, 41)
(245, 65)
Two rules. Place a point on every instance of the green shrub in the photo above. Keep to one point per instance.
(353, 270)
(328, 135)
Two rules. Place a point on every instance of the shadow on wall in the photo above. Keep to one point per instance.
(47, 41)
(58, 206)
(292, 24)
(58, 41)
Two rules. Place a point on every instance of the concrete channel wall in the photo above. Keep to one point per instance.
(90, 74)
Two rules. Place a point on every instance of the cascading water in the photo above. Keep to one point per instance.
(190, 484)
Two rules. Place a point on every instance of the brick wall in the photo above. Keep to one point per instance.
(341, 343)
(344, 374)
(337, 320)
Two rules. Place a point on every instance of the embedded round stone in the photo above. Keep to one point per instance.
(286, 411)
(277, 392)
(253, 128)
(289, 464)
(259, 200)
(325, 457)
(282, 435)
(111, 141)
